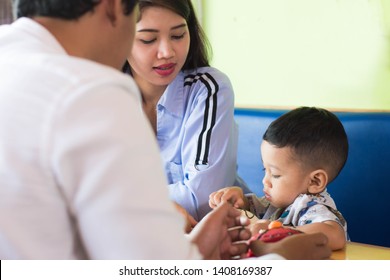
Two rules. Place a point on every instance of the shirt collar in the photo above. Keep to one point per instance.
(173, 98)
(38, 31)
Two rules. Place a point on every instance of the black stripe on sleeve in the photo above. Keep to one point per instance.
(210, 113)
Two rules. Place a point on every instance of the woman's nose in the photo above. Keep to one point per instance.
(165, 50)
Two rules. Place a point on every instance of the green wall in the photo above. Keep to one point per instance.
(327, 53)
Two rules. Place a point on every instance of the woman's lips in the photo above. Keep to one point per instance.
(267, 196)
(165, 69)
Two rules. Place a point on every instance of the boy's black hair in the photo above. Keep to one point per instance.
(316, 136)
(64, 9)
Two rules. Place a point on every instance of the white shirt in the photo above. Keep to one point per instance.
(80, 171)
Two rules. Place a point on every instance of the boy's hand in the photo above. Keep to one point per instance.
(258, 225)
(233, 195)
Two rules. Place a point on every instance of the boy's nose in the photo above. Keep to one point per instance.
(266, 182)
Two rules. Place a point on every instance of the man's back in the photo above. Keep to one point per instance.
(66, 162)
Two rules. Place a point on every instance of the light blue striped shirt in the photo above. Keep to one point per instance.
(198, 137)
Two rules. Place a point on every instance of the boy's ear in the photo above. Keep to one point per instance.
(318, 181)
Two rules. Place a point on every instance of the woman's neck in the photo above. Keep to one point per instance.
(151, 94)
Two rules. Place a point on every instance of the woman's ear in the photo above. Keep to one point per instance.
(318, 181)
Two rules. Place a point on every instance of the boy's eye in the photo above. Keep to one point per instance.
(270, 173)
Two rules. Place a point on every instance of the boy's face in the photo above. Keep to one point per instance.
(285, 178)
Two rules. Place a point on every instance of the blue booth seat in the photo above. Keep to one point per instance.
(361, 191)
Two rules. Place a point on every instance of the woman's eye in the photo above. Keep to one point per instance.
(275, 176)
(178, 37)
(146, 42)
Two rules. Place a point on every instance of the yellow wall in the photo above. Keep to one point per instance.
(328, 53)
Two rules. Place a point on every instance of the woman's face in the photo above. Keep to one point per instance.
(161, 45)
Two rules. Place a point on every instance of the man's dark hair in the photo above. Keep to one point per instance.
(316, 136)
(64, 9)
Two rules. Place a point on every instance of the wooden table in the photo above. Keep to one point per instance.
(360, 251)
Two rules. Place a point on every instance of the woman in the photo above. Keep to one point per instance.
(189, 104)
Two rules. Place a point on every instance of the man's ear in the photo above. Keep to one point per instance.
(318, 181)
(112, 10)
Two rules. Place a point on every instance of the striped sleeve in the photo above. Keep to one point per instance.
(210, 112)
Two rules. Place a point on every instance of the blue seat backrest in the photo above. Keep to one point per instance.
(361, 191)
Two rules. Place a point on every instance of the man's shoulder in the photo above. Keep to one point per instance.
(80, 72)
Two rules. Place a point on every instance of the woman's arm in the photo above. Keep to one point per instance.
(209, 144)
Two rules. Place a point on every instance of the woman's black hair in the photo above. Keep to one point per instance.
(199, 51)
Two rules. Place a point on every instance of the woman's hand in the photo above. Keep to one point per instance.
(233, 195)
(190, 221)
